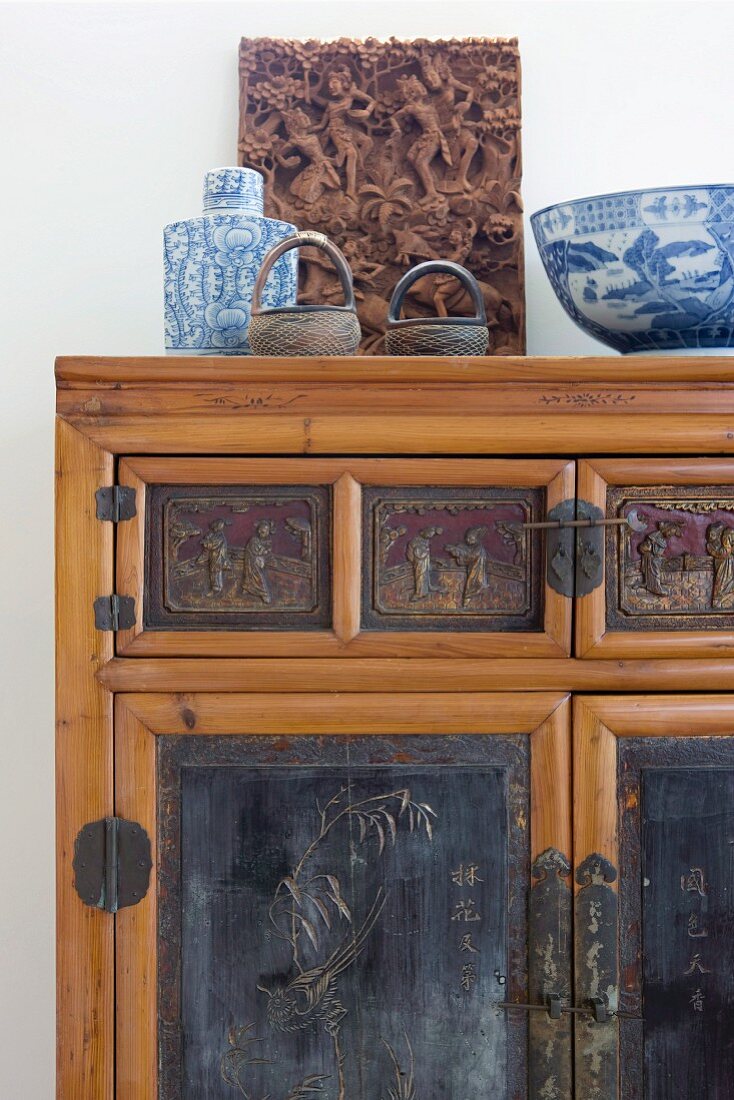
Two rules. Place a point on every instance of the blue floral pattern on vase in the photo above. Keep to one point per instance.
(211, 264)
(645, 271)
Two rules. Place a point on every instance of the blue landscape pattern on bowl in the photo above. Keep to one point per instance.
(211, 264)
(645, 270)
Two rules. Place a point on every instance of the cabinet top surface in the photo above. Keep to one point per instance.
(93, 371)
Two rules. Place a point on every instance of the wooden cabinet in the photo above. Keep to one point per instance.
(390, 790)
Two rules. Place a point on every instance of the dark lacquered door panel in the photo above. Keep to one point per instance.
(349, 909)
(658, 942)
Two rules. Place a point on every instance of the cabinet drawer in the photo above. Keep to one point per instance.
(669, 584)
(341, 557)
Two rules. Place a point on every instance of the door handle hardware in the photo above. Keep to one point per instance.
(632, 520)
(554, 1006)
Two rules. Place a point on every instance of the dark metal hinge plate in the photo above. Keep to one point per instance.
(112, 863)
(114, 612)
(116, 503)
(574, 555)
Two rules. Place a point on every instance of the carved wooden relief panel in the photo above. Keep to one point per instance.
(342, 916)
(236, 557)
(676, 798)
(669, 569)
(677, 573)
(400, 152)
(451, 559)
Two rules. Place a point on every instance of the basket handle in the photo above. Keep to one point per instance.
(436, 267)
(317, 240)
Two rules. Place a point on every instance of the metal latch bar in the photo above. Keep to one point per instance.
(554, 1006)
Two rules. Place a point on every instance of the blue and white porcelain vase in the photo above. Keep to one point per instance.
(211, 264)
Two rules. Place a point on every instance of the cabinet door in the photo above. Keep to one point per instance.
(348, 893)
(341, 557)
(669, 583)
(654, 869)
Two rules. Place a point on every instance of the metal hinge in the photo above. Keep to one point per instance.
(575, 544)
(114, 612)
(112, 863)
(116, 503)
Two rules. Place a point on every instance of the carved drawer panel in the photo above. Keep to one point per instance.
(451, 559)
(669, 576)
(341, 557)
(233, 557)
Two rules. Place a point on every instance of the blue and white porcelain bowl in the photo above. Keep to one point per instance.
(646, 271)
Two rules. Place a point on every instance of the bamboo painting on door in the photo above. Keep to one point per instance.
(344, 929)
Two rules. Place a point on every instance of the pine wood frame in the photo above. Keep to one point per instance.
(545, 717)
(522, 406)
(347, 477)
(592, 637)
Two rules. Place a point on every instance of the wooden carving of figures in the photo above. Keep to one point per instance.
(257, 552)
(418, 554)
(720, 545)
(473, 556)
(398, 152)
(320, 173)
(652, 554)
(439, 78)
(215, 554)
(418, 108)
(352, 144)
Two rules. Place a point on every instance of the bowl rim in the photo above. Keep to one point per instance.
(630, 191)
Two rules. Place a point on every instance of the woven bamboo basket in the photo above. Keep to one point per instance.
(436, 335)
(305, 329)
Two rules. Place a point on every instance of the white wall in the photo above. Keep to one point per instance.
(110, 113)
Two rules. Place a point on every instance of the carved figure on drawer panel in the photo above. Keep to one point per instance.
(720, 545)
(432, 556)
(216, 555)
(233, 556)
(257, 553)
(473, 556)
(652, 554)
(679, 573)
(418, 554)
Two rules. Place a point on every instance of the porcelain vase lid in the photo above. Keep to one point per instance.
(239, 190)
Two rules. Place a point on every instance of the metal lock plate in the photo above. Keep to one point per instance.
(574, 555)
